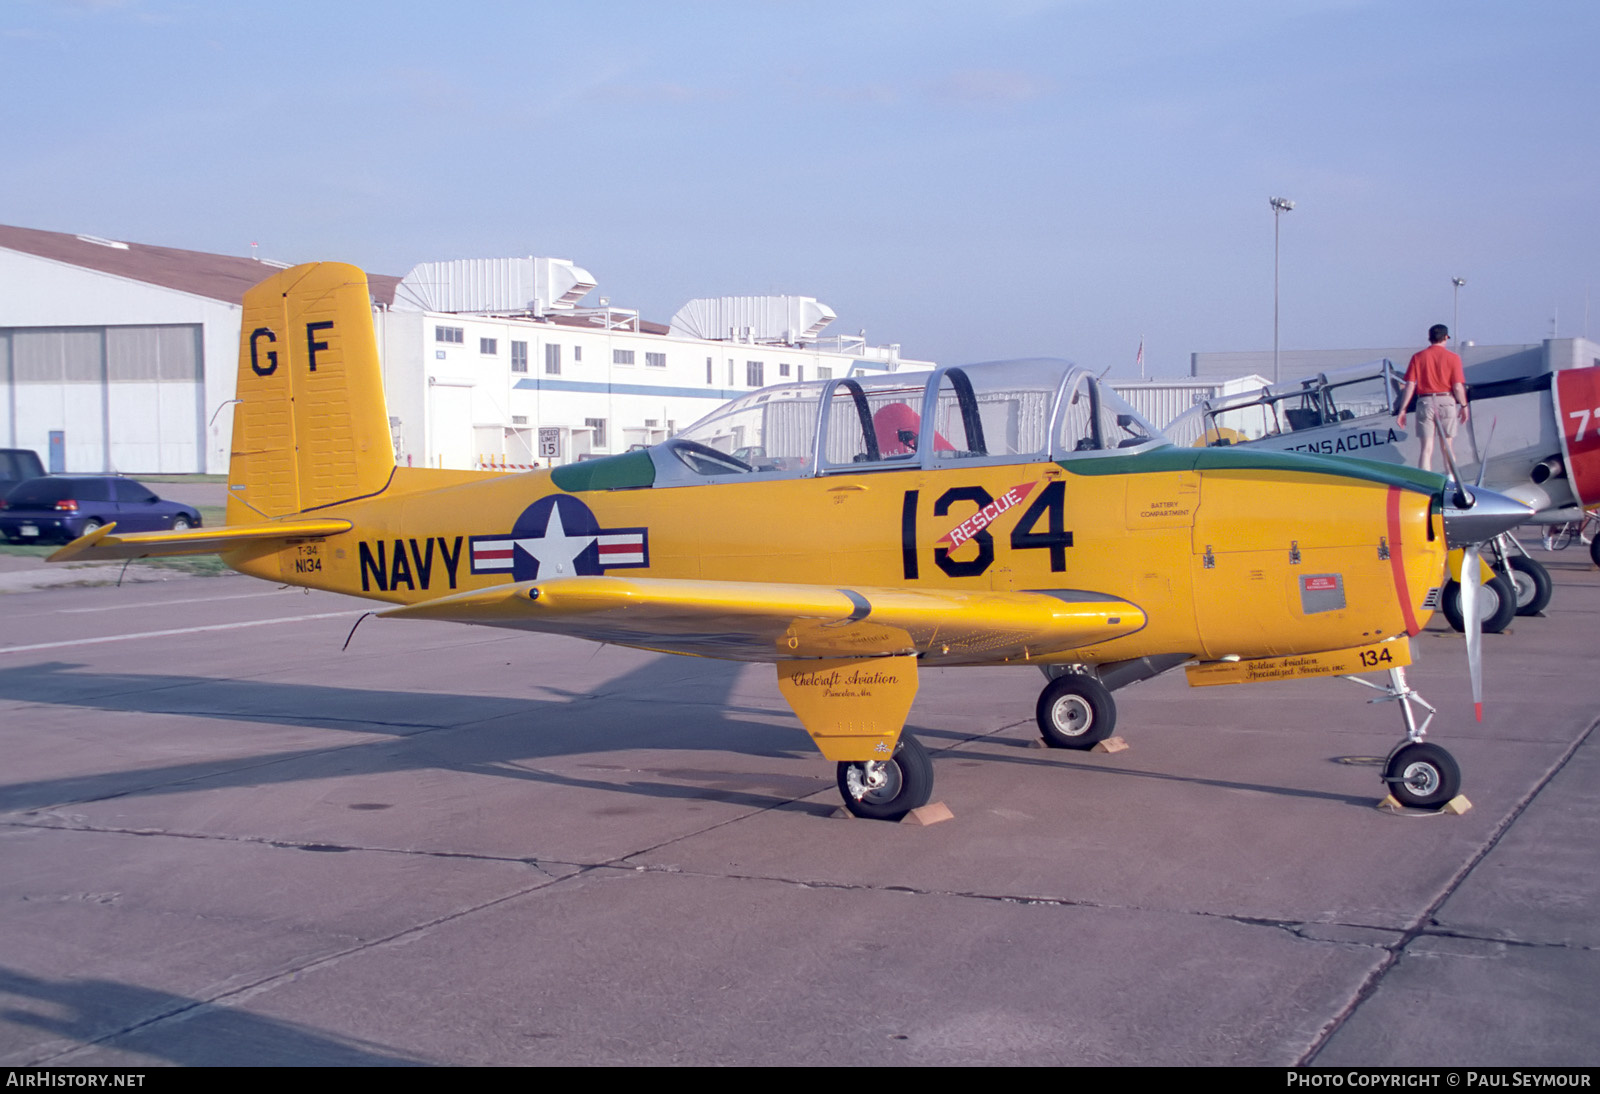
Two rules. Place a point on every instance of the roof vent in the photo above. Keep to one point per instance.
(494, 286)
(764, 320)
(113, 244)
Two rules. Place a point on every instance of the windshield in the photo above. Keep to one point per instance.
(996, 412)
(1325, 399)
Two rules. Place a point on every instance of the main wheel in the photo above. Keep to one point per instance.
(888, 789)
(1422, 776)
(1076, 711)
(1497, 605)
(180, 524)
(1594, 550)
(1530, 583)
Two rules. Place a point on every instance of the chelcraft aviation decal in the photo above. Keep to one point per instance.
(558, 536)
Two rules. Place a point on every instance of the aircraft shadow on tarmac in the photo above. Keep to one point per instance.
(647, 707)
(1054, 759)
(117, 1014)
(487, 735)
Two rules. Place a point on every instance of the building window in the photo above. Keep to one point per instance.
(456, 335)
(824, 373)
(752, 373)
(709, 380)
(783, 370)
(800, 373)
(730, 372)
(489, 347)
(519, 419)
(519, 357)
(552, 359)
(651, 423)
(577, 354)
(599, 427)
(622, 357)
(655, 360)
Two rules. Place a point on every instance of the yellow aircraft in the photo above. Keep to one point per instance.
(1011, 512)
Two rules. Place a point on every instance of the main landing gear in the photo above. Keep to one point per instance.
(888, 789)
(1419, 775)
(1521, 586)
(1075, 711)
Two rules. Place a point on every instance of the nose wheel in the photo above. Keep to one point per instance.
(888, 789)
(1422, 775)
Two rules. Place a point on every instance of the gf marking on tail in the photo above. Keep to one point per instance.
(312, 347)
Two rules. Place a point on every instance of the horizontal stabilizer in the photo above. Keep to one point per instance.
(103, 544)
(767, 621)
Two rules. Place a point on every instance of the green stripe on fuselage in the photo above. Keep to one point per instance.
(1173, 458)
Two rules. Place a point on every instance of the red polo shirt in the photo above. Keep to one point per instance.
(1435, 371)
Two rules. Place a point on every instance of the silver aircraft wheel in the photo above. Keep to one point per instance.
(1071, 715)
(1075, 711)
(888, 789)
(1422, 775)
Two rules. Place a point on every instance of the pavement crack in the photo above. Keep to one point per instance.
(244, 993)
(1521, 943)
(298, 845)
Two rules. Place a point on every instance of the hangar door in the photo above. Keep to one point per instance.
(126, 399)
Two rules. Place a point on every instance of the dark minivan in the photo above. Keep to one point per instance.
(18, 465)
(60, 508)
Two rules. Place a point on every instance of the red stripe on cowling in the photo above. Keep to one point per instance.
(1397, 562)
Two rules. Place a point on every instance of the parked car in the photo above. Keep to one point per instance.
(60, 508)
(18, 465)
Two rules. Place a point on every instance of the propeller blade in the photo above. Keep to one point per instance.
(1483, 457)
(1471, 576)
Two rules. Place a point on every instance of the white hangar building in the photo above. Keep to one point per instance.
(121, 357)
(494, 362)
(114, 356)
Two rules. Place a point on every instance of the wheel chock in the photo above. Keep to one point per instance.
(1110, 744)
(932, 813)
(1455, 807)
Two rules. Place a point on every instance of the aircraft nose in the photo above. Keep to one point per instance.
(1474, 515)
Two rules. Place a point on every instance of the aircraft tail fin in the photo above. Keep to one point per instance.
(311, 428)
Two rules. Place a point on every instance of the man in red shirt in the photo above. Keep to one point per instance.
(1435, 377)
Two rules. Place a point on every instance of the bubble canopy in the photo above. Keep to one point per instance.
(969, 415)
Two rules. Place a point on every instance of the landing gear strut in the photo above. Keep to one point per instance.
(1419, 775)
(1529, 580)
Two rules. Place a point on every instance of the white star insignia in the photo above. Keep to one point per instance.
(555, 551)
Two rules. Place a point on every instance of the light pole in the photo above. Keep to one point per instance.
(1455, 314)
(1279, 207)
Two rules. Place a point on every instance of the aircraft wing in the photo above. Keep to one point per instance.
(765, 621)
(103, 544)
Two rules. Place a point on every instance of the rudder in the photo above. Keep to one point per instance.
(311, 428)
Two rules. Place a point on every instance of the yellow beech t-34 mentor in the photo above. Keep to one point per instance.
(850, 531)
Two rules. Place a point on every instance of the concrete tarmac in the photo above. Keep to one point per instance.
(225, 841)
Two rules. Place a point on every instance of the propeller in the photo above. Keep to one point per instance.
(1478, 517)
(1470, 568)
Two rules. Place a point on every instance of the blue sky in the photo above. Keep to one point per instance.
(972, 180)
